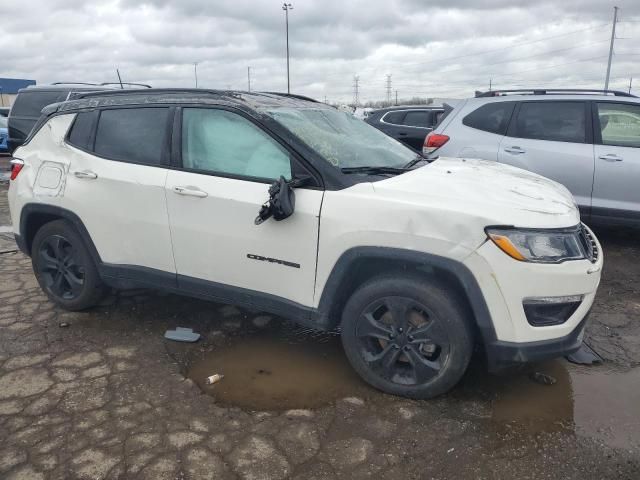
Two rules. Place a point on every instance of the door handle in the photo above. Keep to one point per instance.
(89, 175)
(403, 134)
(190, 191)
(514, 150)
(610, 157)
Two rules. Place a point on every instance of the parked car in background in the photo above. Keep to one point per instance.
(588, 140)
(293, 207)
(31, 100)
(4, 135)
(4, 111)
(408, 124)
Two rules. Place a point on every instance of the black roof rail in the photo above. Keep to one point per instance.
(552, 91)
(76, 83)
(291, 95)
(126, 83)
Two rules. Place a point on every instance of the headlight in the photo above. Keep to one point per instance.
(541, 246)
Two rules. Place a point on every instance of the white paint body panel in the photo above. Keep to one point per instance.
(212, 236)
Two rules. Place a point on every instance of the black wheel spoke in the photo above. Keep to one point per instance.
(399, 309)
(423, 369)
(429, 333)
(386, 359)
(370, 327)
(75, 282)
(56, 285)
(61, 270)
(47, 262)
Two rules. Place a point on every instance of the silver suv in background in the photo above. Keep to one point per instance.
(587, 140)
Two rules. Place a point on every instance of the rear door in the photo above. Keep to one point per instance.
(616, 192)
(416, 125)
(553, 139)
(115, 184)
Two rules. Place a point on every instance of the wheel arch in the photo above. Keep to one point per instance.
(357, 265)
(35, 215)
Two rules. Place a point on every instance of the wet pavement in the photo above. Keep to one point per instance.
(101, 394)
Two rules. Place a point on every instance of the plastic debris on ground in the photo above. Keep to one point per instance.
(214, 378)
(585, 356)
(542, 378)
(181, 334)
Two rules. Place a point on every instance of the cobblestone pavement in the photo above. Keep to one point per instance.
(100, 394)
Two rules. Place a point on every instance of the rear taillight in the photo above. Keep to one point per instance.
(16, 167)
(433, 142)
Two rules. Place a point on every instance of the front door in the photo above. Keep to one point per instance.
(617, 153)
(553, 139)
(227, 164)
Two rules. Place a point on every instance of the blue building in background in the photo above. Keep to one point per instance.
(9, 88)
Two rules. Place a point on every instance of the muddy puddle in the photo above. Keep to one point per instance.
(290, 367)
(285, 368)
(592, 401)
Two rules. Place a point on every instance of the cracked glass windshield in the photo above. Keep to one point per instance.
(342, 139)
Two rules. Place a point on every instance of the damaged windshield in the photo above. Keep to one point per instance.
(342, 139)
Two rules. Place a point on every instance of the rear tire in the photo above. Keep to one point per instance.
(64, 268)
(408, 336)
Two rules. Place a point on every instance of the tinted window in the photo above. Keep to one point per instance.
(132, 134)
(223, 142)
(3, 122)
(619, 124)
(555, 121)
(81, 130)
(393, 117)
(492, 117)
(30, 104)
(417, 118)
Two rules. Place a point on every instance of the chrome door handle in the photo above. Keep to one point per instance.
(610, 157)
(89, 175)
(190, 191)
(514, 149)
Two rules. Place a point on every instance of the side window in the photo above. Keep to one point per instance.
(619, 124)
(223, 142)
(394, 117)
(550, 120)
(491, 117)
(417, 118)
(81, 130)
(132, 134)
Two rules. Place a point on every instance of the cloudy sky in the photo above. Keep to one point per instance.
(430, 48)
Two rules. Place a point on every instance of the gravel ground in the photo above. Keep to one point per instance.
(101, 394)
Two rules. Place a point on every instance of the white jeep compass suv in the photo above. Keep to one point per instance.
(286, 205)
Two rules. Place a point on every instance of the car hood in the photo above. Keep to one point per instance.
(484, 192)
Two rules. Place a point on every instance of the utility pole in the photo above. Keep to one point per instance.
(388, 89)
(613, 37)
(396, 98)
(630, 81)
(286, 7)
(490, 84)
(195, 72)
(325, 100)
(356, 90)
(248, 79)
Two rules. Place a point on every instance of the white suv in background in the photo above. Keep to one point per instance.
(587, 140)
(290, 206)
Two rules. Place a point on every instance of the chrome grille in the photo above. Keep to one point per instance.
(589, 244)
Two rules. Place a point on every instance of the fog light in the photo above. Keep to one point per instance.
(545, 311)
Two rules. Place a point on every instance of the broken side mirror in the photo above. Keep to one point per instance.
(281, 202)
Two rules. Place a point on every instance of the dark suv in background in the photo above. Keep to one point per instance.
(408, 124)
(31, 100)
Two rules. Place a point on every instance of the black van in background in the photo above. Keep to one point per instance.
(31, 100)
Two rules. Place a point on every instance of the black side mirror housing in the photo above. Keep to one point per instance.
(281, 203)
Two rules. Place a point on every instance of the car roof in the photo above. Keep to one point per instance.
(64, 87)
(248, 100)
(409, 107)
(552, 95)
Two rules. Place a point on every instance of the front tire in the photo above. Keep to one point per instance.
(408, 336)
(64, 268)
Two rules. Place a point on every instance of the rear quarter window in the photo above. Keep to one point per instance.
(30, 104)
(80, 132)
(491, 117)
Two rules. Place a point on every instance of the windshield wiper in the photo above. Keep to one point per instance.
(374, 170)
(419, 158)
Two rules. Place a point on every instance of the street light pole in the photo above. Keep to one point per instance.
(613, 38)
(195, 72)
(286, 7)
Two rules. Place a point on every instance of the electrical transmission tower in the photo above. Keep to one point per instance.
(356, 90)
(388, 89)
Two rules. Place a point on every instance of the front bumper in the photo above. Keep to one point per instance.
(502, 354)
